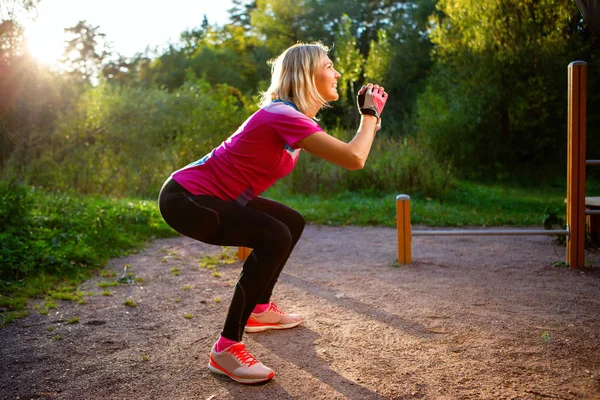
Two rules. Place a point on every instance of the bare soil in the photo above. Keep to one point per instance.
(471, 318)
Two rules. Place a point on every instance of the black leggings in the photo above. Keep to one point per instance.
(269, 228)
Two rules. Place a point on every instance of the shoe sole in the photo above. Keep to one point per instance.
(262, 328)
(248, 381)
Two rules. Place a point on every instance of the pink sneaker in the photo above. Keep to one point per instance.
(272, 318)
(239, 365)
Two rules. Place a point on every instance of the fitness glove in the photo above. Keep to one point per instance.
(371, 101)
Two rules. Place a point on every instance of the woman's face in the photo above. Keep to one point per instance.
(326, 80)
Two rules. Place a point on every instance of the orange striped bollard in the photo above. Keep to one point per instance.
(403, 224)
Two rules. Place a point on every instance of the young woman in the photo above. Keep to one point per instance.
(216, 199)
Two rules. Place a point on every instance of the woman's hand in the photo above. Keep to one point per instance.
(353, 155)
(371, 100)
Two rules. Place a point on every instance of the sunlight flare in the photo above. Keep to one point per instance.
(47, 49)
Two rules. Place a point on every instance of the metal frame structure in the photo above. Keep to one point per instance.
(576, 163)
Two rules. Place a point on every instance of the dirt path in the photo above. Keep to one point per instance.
(471, 318)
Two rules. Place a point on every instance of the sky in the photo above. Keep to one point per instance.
(130, 25)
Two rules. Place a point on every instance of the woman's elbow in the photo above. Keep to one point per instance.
(356, 163)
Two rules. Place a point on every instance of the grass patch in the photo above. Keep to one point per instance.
(466, 204)
(67, 296)
(129, 303)
(52, 242)
(8, 317)
(227, 255)
(106, 284)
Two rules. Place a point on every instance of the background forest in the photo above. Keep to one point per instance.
(478, 91)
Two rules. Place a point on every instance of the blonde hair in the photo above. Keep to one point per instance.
(293, 76)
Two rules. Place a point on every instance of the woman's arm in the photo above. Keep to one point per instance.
(353, 155)
(350, 155)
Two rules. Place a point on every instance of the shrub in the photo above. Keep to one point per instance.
(394, 166)
(58, 236)
(126, 141)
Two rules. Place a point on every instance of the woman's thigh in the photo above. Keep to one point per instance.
(291, 218)
(224, 223)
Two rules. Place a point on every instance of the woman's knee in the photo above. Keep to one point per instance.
(297, 225)
(282, 237)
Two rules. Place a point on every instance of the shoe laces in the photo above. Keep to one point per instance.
(243, 355)
(274, 308)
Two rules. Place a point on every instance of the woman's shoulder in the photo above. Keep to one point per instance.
(280, 112)
(283, 109)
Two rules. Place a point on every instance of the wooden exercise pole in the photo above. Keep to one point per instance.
(243, 252)
(576, 156)
(403, 227)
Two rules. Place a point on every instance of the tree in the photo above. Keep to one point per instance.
(348, 60)
(16, 70)
(85, 52)
(119, 70)
(281, 21)
(240, 13)
(410, 64)
(379, 59)
(498, 88)
(323, 18)
(12, 12)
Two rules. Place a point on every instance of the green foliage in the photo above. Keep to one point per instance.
(554, 220)
(84, 52)
(348, 60)
(495, 102)
(49, 237)
(394, 165)
(379, 59)
(483, 84)
(126, 141)
(227, 256)
(466, 204)
(282, 21)
(130, 303)
(67, 238)
(31, 96)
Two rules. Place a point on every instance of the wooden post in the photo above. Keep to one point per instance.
(403, 226)
(243, 252)
(576, 156)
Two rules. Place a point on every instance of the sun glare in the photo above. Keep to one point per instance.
(47, 49)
